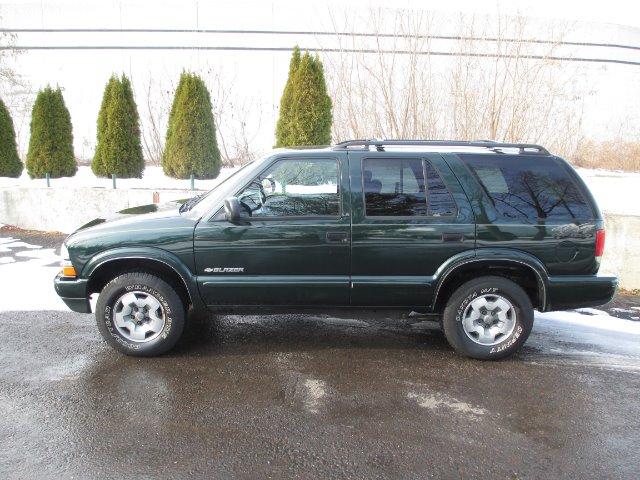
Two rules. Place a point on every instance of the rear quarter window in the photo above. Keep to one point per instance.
(530, 187)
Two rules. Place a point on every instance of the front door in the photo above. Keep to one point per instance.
(291, 246)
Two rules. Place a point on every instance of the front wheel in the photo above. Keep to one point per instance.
(488, 318)
(140, 314)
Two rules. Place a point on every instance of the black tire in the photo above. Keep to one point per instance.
(488, 318)
(140, 314)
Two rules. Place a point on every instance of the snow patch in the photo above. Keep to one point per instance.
(6, 260)
(596, 319)
(342, 322)
(46, 256)
(29, 286)
(625, 185)
(441, 401)
(622, 310)
(6, 247)
(315, 392)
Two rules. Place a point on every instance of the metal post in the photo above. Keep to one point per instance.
(113, 180)
(47, 176)
(193, 178)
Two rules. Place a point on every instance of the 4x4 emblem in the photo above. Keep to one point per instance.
(224, 270)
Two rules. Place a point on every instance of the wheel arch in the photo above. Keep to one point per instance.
(525, 270)
(102, 270)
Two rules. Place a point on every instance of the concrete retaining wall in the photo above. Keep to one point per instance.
(622, 249)
(64, 210)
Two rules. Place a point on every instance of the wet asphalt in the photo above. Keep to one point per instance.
(361, 396)
(314, 396)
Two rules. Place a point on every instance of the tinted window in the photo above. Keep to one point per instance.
(394, 187)
(528, 187)
(440, 200)
(293, 188)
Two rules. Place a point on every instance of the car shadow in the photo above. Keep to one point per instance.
(209, 334)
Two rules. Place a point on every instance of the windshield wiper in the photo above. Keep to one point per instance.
(186, 206)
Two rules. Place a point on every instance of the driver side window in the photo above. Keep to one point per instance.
(294, 188)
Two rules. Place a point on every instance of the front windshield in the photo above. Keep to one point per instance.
(214, 197)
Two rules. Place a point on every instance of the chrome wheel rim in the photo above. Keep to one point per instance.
(139, 316)
(489, 319)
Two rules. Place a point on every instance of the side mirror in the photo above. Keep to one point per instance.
(232, 209)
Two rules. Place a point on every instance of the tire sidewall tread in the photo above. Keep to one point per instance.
(457, 303)
(155, 286)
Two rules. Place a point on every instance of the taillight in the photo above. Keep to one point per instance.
(599, 244)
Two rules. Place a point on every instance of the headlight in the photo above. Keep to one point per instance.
(65, 263)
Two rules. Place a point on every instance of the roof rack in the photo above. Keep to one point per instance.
(523, 148)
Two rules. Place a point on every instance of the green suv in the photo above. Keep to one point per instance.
(480, 233)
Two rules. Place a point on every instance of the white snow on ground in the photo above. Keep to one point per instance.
(596, 340)
(593, 319)
(615, 192)
(28, 285)
(438, 400)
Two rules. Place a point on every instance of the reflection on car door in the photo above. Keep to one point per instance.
(292, 244)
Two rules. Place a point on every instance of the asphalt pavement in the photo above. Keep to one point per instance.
(314, 396)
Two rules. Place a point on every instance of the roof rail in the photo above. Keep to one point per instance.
(497, 147)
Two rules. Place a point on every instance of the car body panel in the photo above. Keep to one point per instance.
(394, 259)
(287, 261)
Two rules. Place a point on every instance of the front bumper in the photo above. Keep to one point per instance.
(73, 292)
(564, 292)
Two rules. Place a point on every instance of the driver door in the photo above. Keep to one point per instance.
(291, 246)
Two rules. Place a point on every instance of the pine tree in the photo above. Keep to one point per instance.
(10, 164)
(191, 146)
(118, 149)
(283, 127)
(305, 106)
(51, 141)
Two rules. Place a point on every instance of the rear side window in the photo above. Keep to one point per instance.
(404, 187)
(528, 187)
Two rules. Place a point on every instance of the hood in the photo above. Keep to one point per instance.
(135, 212)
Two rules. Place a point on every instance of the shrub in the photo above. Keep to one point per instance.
(191, 146)
(51, 140)
(305, 106)
(118, 149)
(10, 164)
(611, 155)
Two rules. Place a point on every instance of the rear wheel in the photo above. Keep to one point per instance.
(140, 314)
(488, 318)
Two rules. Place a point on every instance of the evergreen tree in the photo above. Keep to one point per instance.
(51, 141)
(10, 164)
(283, 127)
(118, 149)
(191, 146)
(305, 106)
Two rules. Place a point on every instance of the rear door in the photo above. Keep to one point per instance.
(291, 246)
(410, 216)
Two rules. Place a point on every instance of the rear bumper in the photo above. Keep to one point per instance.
(73, 292)
(564, 293)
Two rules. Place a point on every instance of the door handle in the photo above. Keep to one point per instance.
(452, 237)
(337, 237)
